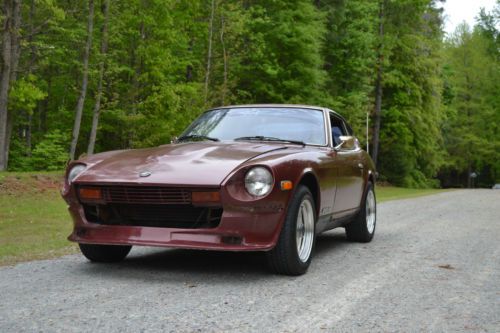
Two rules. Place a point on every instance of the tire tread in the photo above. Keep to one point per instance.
(283, 259)
(356, 230)
(104, 253)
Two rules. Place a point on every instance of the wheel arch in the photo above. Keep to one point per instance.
(371, 177)
(309, 180)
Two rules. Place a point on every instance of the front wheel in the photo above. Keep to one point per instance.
(362, 228)
(104, 253)
(292, 254)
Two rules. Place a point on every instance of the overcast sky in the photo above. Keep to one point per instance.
(457, 11)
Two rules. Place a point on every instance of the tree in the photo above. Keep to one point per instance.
(283, 61)
(210, 38)
(11, 53)
(154, 65)
(411, 148)
(349, 57)
(472, 130)
(98, 97)
(85, 78)
(377, 114)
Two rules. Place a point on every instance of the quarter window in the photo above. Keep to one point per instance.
(338, 129)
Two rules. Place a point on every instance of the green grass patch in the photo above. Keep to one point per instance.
(386, 193)
(34, 221)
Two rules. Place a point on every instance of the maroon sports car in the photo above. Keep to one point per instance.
(240, 178)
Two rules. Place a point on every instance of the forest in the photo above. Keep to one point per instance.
(86, 76)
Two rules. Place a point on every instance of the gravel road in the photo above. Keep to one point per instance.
(434, 265)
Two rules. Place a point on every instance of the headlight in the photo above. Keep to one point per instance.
(75, 171)
(259, 181)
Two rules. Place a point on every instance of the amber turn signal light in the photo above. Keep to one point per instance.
(286, 185)
(90, 194)
(205, 197)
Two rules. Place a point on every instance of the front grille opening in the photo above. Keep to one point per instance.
(150, 215)
(143, 194)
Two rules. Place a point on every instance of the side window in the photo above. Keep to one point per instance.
(338, 129)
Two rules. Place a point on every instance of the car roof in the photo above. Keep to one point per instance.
(299, 106)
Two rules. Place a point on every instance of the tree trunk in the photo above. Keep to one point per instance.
(377, 116)
(378, 87)
(31, 63)
(28, 135)
(97, 105)
(209, 56)
(32, 45)
(189, 68)
(14, 63)
(138, 63)
(83, 90)
(10, 59)
(224, 56)
(15, 40)
(5, 81)
(44, 106)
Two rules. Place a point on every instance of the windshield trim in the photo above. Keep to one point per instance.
(276, 106)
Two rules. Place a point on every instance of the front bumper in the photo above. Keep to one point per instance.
(240, 229)
(246, 224)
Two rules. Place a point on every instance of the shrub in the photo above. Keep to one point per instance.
(50, 154)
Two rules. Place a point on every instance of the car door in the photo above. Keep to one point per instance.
(350, 169)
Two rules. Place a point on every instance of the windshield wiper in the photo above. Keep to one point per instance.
(196, 137)
(270, 138)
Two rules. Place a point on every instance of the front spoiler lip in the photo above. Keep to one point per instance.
(201, 239)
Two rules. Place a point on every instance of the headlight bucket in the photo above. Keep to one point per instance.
(75, 171)
(259, 181)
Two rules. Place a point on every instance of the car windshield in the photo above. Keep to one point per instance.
(287, 124)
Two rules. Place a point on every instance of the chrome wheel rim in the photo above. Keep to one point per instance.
(371, 211)
(305, 230)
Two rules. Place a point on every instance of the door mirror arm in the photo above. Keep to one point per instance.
(339, 146)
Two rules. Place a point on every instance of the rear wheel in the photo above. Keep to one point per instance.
(104, 253)
(293, 252)
(362, 228)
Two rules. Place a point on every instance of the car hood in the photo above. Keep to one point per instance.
(193, 163)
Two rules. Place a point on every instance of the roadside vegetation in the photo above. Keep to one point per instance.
(34, 222)
(386, 193)
(88, 76)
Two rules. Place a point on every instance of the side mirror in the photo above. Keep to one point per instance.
(348, 142)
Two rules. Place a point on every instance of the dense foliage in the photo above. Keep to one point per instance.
(138, 71)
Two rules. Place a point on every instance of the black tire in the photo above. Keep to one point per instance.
(357, 230)
(284, 257)
(104, 253)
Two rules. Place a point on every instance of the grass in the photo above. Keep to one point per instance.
(34, 221)
(386, 193)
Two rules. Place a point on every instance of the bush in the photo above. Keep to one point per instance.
(50, 154)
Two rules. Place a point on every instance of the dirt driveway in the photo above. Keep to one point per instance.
(434, 265)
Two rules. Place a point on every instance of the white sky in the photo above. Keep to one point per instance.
(456, 11)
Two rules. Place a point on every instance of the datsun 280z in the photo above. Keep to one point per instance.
(264, 178)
